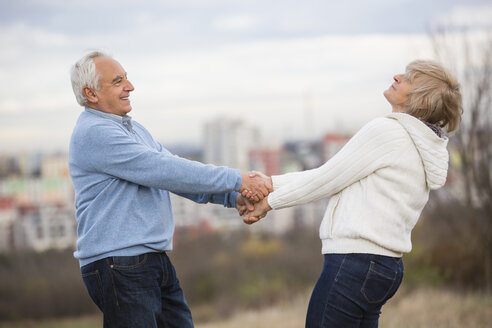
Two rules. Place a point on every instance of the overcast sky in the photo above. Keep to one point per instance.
(294, 68)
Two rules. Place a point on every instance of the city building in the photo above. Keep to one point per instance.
(228, 142)
(331, 144)
(45, 227)
(268, 161)
(8, 216)
(37, 209)
(37, 204)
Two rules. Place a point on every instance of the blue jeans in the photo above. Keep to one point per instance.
(352, 289)
(137, 291)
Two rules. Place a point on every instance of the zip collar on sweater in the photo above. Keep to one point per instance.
(126, 120)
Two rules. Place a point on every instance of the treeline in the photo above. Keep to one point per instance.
(223, 272)
(452, 246)
(41, 285)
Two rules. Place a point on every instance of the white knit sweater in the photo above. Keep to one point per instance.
(379, 182)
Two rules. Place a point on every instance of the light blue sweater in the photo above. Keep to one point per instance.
(122, 178)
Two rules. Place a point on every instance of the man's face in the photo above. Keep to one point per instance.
(114, 87)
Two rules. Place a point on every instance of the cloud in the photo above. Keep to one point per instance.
(265, 82)
(193, 61)
(236, 22)
(471, 16)
(10, 105)
(22, 41)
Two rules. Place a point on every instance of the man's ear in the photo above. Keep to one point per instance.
(90, 95)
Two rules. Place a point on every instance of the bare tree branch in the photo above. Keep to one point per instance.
(469, 54)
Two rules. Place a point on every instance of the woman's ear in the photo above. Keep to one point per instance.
(90, 95)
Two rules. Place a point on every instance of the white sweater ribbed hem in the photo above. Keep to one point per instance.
(347, 246)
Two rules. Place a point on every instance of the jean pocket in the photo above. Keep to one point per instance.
(134, 273)
(93, 283)
(378, 283)
(128, 262)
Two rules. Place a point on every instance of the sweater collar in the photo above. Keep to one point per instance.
(126, 120)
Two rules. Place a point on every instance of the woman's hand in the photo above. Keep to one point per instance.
(260, 210)
(243, 205)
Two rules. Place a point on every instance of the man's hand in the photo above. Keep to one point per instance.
(260, 211)
(256, 186)
(243, 205)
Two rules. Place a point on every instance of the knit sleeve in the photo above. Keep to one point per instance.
(368, 150)
(284, 179)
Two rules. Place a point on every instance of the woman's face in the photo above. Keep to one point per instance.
(397, 93)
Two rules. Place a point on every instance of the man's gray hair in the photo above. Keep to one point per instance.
(84, 73)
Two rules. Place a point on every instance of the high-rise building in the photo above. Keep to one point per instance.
(228, 142)
(8, 215)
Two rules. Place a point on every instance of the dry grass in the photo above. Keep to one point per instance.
(421, 308)
(418, 309)
(437, 308)
(287, 315)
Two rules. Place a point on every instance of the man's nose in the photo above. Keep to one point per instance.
(129, 86)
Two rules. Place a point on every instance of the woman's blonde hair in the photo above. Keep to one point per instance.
(435, 95)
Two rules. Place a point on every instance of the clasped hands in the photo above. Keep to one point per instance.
(252, 198)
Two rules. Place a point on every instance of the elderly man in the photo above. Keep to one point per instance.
(122, 178)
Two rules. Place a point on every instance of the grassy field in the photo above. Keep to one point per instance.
(432, 308)
(421, 308)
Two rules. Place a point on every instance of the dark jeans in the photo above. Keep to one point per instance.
(137, 291)
(352, 289)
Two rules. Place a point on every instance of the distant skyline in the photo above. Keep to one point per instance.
(295, 69)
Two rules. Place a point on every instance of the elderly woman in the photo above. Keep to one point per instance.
(378, 184)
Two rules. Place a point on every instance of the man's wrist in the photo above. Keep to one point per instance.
(244, 181)
(234, 199)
